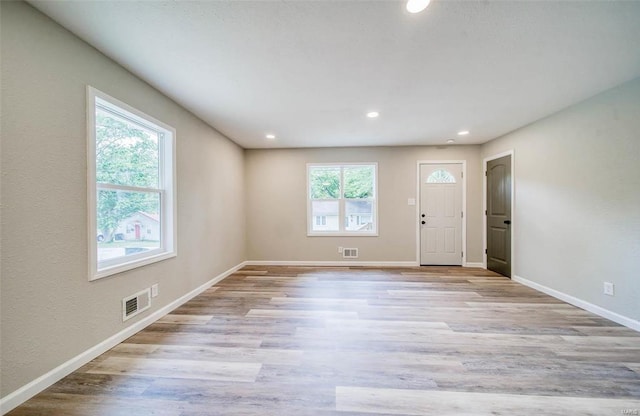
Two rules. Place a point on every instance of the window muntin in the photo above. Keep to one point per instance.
(345, 195)
(131, 187)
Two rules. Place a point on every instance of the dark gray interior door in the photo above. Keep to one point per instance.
(499, 215)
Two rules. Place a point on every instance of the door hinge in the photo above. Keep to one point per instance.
(461, 214)
(485, 212)
(462, 254)
(485, 251)
(485, 173)
(462, 174)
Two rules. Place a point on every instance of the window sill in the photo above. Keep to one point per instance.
(133, 264)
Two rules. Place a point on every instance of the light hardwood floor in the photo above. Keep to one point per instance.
(361, 341)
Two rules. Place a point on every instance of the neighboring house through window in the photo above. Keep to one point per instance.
(342, 199)
(131, 164)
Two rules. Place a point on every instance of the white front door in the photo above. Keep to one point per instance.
(441, 214)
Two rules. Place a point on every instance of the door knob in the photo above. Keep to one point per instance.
(423, 215)
(424, 222)
(508, 222)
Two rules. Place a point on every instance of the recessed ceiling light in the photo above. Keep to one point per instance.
(416, 6)
(270, 136)
(463, 133)
(451, 141)
(373, 114)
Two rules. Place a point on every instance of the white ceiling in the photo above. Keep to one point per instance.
(308, 71)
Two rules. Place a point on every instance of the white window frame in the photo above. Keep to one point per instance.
(341, 203)
(166, 188)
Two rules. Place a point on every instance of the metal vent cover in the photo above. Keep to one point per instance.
(135, 304)
(350, 253)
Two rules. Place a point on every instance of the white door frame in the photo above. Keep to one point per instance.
(514, 224)
(464, 205)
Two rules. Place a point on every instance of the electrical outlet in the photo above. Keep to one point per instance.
(154, 290)
(340, 250)
(608, 288)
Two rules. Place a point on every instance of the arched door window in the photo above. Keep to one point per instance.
(441, 176)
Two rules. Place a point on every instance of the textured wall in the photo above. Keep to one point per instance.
(50, 311)
(277, 205)
(577, 199)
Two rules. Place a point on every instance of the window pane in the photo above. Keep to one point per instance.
(127, 222)
(358, 215)
(441, 176)
(358, 181)
(324, 182)
(326, 215)
(126, 152)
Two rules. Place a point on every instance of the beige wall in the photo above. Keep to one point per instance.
(577, 201)
(276, 203)
(50, 311)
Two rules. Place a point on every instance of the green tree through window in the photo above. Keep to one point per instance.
(358, 182)
(325, 183)
(126, 154)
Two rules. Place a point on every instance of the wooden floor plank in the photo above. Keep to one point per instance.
(206, 353)
(177, 368)
(300, 314)
(185, 319)
(430, 402)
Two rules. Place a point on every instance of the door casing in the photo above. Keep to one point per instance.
(464, 205)
(514, 224)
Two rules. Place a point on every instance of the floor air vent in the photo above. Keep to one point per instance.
(133, 305)
(350, 253)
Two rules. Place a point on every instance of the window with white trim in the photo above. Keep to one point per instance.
(342, 199)
(131, 186)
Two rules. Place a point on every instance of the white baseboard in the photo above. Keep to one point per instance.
(598, 310)
(24, 393)
(479, 265)
(342, 263)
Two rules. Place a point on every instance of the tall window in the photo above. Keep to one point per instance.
(344, 196)
(131, 169)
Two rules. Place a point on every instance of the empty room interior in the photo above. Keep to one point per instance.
(320, 208)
